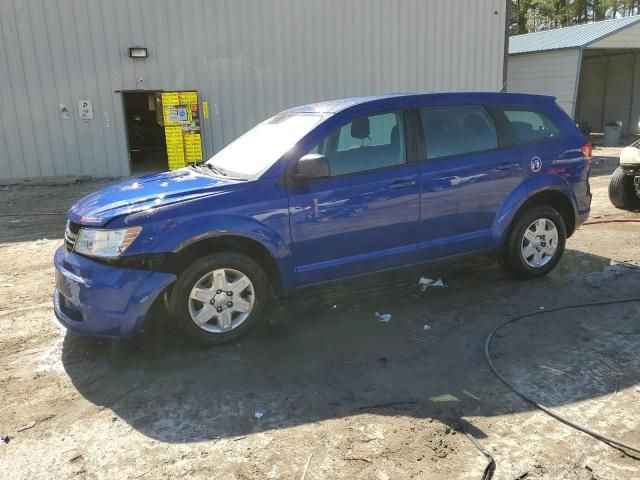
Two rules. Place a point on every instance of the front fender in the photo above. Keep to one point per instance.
(225, 225)
(173, 231)
(268, 238)
(526, 190)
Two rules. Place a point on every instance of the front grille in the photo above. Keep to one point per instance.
(71, 234)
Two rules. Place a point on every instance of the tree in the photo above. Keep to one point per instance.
(519, 16)
(536, 15)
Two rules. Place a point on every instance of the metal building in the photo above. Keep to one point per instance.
(592, 69)
(76, 99)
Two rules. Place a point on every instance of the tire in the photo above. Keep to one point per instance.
(226, 324)
(530, 222)
(622, 192)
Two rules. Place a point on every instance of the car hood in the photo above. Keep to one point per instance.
(146, 192)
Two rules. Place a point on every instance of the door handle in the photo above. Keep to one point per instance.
(401, 184)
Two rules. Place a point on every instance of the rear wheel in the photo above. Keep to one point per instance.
(622, 192)
(536, 243)
(220, 297)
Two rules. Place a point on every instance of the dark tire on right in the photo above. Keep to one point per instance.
(622, 192)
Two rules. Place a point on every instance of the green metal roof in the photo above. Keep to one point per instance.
(568, 37)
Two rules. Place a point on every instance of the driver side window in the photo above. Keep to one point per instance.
(366, 143)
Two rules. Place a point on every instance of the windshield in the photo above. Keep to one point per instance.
(259, 148)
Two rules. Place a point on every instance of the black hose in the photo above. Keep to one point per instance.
(490, 469)
(603, 438)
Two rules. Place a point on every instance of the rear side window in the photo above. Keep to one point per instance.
(530, 126)
(457, 130)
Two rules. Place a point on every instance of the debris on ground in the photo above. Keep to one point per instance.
(471, 395)
(383, 317)
(141, 474)
(306, 467)
(361, 459)
(42, 241)
(426, 327)
(258, 415)
(27, 426)
(425, 283)
(5, 439)
(551, 369)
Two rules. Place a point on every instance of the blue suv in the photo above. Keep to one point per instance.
(322, 192)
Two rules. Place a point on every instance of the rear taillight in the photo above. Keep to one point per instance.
(587, 152)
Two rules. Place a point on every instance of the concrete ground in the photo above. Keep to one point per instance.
(322, 390)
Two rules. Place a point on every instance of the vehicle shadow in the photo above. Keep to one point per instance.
(324, 355)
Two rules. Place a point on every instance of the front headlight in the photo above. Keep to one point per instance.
(105, 243)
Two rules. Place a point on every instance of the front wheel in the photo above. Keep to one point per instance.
(536, 243)
(218, 298)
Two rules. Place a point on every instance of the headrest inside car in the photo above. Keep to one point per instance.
(360, 128)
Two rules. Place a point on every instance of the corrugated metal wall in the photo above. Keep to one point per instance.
(247, 58)
(610, 90)
(547, 73)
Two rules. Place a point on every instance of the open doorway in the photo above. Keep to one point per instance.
(145, 133)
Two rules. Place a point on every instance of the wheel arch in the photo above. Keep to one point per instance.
(189, 253)
(553, 198)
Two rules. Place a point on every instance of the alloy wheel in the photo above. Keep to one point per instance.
(539, 243)
(221, 300)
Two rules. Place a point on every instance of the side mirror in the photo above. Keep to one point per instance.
(312, 166)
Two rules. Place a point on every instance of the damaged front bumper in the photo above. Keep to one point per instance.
(100, 300)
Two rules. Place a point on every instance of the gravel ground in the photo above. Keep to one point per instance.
(322, 390)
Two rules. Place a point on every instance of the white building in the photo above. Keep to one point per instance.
(592, 69)
(75, 103)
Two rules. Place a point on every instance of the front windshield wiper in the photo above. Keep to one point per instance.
(217, 170)
(213, 168)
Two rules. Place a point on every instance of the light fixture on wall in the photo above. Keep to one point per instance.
(138, 52)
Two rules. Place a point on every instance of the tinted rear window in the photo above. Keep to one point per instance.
(457, 130)
(530, 126)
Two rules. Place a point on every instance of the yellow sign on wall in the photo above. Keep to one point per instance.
(181, 120)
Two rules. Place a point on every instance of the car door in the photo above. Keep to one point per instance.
(364, 216)
(469, 172)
